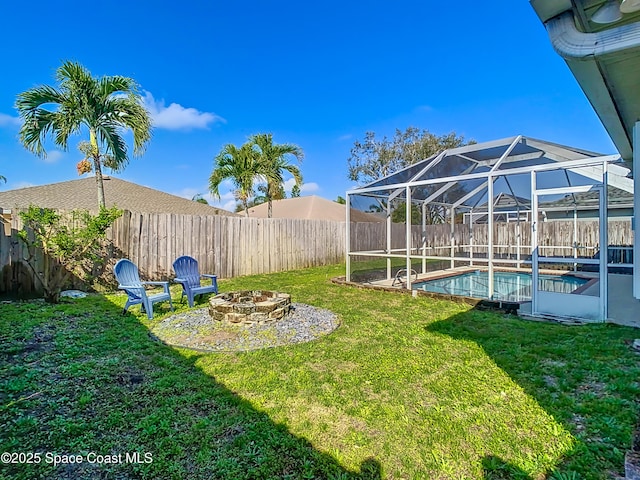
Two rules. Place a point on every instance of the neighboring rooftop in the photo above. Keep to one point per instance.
(312, 207)
(83, 194)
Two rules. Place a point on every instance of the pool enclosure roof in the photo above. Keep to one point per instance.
(459, 177)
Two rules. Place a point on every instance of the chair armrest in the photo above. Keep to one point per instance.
(128, 287)
(179, 280)
(213, 278)
(165, 285)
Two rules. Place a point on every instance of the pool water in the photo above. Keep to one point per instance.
(507, 286)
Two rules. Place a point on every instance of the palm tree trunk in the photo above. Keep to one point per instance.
(99, 182)
(97, 168)
(269, 208)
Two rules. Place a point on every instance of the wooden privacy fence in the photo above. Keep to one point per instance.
(227, 246)
(556, 238)
(234, 246)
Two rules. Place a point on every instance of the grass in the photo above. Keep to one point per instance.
(405, 388)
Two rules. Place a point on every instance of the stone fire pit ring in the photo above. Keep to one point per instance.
(249, 307)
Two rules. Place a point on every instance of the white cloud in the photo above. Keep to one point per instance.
(177, 117)
(53, 156)
(229, 206)
(187, 192)
(305, 188)
(15, 186)
(344, 138)
(9, 121)
(226, 201)
(310, 187)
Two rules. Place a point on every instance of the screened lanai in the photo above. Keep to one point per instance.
(433, 239)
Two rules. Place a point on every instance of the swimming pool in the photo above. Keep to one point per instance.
(507, 286)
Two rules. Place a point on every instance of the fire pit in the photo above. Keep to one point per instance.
(248, 307)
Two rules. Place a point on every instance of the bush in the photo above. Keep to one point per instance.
(69, 242)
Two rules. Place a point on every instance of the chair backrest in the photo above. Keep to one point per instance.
(127, 274)
(186, 267)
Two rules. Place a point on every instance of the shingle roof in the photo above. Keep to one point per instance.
(311, 207)
(506, 202)
(615, 196)
(83, 194)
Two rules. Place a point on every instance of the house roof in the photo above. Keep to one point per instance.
(589, 200)
(311, 207)
(506, 202)
(603, 57)
(82, 194)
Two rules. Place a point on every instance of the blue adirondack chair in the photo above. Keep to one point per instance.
(127, 275)
(187, 274)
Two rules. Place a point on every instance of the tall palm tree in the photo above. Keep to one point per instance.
(103, 106)
(241, 166)
(274, 160)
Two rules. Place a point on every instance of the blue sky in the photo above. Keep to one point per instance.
(315, 74)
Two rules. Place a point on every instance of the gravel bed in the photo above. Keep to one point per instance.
(196, 330)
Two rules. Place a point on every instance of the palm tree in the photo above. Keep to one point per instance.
(102, 105)
(241, 166)
(273, 160)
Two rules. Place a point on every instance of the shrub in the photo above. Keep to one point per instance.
(69, 242)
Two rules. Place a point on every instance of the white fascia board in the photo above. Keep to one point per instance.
(546, 9)
(582, 51)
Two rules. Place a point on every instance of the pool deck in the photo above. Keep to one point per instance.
(623, 308)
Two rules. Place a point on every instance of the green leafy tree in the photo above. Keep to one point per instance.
(279, 194)
(200, 199)
(274, 160)
(434, 215)
(341, 200)
(372, 158)
(70, 244)
(241, 167)
(3, 179)
(102, 106)
(295, 191)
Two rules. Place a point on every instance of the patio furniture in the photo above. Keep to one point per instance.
(188, 275)
(128, 277)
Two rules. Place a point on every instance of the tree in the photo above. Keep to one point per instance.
(373, 159)
(241, 166)
(69, 242)
(103, 106)
(341, 200)
(295, 191)
(200, 199)
(3, 179)
(274, 161)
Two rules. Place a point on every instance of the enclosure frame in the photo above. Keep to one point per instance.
(595, 168)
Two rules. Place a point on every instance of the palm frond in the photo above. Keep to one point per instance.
(115, 145)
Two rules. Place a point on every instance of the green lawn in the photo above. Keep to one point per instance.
(405, 388)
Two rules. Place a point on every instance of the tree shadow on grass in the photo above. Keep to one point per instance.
(583, 376)
(84, 378)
